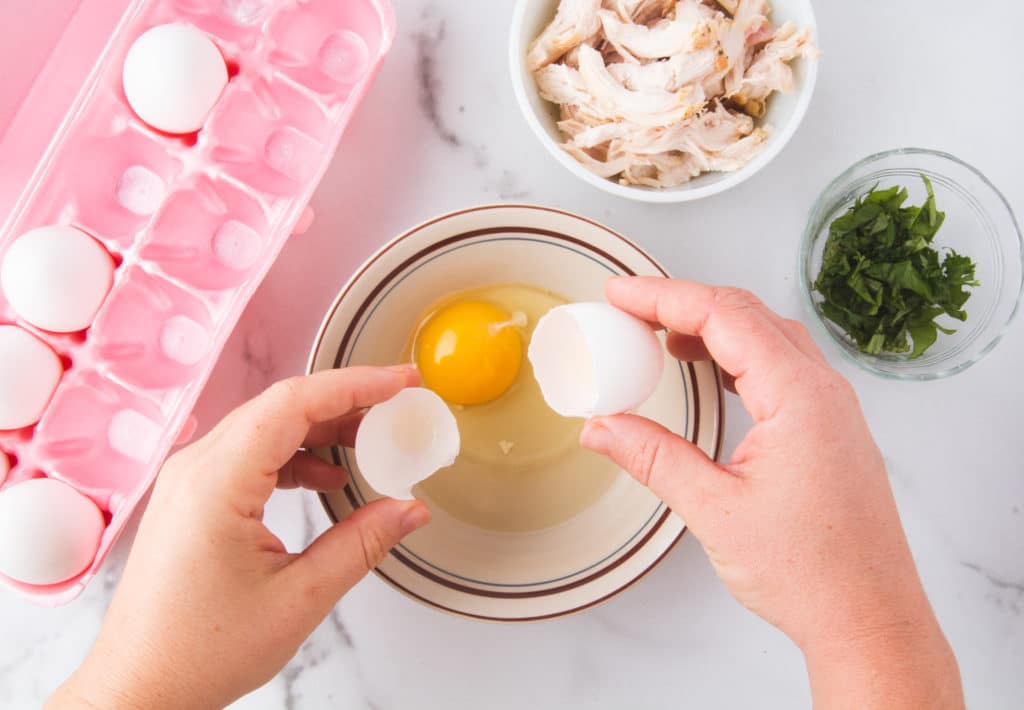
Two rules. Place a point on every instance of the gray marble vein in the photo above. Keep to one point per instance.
(427, 41)
(257, 358)
(1006, 595)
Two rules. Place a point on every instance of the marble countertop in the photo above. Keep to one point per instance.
(439, 131)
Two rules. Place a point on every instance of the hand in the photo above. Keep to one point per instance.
(211, 604)
(801, 524)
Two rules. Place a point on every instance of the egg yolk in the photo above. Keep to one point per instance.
(469, 353)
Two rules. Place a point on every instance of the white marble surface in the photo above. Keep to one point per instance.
(440, 131)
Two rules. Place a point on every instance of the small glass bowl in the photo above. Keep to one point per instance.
(979, 223)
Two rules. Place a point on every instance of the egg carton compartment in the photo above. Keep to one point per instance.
(211, 235)
(238, 21)
(324, 45)
(109, 181)
(98, 437)
(192, 222)
(270, 135)
(152, 334)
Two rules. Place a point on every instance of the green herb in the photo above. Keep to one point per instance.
(883, 282)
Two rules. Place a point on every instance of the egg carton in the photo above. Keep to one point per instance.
(297, 70)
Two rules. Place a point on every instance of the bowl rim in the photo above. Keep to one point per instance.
(672, 195)
(865, 361)
(325, 325)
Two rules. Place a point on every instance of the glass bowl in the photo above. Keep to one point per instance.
(979, 223)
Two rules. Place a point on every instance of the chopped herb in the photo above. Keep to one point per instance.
(883, 282)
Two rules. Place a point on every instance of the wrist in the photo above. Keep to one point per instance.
(82, 690)
(102, 683)
(903, 664)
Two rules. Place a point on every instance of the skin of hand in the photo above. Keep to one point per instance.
(801, 525)
(211, 604)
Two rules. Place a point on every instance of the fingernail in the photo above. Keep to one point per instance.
(596, 436)
(409, 372)
(414, 518)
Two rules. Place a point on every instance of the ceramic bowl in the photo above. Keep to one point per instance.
(785, 112)
(512, 576)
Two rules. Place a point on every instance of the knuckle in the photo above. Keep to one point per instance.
(830, 386)
(734, 298)
(179, 465)
(314, 589)
(646, 459)
(284, 391)
(797, 329)
(373, 546)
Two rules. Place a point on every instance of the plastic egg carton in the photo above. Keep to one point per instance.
(192, 222)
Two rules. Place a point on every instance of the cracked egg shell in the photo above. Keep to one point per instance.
(405, 440)
(591, 359)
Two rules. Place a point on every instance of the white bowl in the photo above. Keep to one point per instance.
(785, 112)
(513, 576)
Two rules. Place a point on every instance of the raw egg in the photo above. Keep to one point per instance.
(520, 466)
(470, 352)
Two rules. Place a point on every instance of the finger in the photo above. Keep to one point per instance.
(735, 326)
(348, 550)
(337, 432)
(801, 337)
(673, 468)
(309, 471)
(248, 447)
(690, 348)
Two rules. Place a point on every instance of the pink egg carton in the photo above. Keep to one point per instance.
(193, 222)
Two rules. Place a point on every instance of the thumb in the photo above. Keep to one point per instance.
(348, 550)
(673, 468)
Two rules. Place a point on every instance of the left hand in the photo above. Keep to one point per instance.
(211, 604)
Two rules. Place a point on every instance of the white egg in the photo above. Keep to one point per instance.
(29, 373)
(406, 440)
(56, 278)
(591, 359)
(173, 75)
(49, 532)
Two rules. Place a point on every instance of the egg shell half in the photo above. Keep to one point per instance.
(173, 75)
(29, 374)
(591, 359)
(405, 440)
(56, 278)
(49, 532)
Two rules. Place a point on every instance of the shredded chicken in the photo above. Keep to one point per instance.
(666, 38)
(575, 21)
(671, 74)
(658, 92)
(641, 11)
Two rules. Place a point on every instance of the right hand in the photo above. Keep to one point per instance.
(801, 524)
